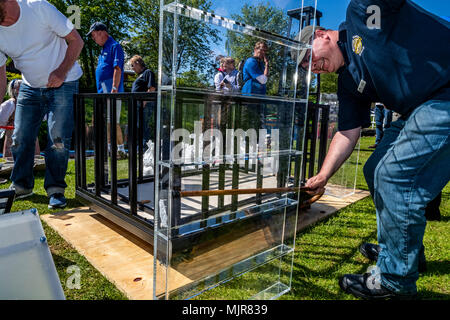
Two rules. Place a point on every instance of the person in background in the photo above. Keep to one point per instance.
(220, 74)
(383, 119)
(7, 110)
(145, 82)
(110, 75)
(256, 71)
(227, 80)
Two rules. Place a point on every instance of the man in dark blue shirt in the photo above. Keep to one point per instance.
(404, 64)
(109, 73)
(145, 82)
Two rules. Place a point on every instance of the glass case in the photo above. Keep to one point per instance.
(226, 192)
(343, 182)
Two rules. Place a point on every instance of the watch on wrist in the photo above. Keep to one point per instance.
(114, 88)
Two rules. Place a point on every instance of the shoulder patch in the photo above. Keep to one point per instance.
(357, 45)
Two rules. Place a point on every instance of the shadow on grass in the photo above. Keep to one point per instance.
(438, 267)
(61, 262)
(431, 295)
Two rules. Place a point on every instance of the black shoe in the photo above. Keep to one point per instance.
(365, 286)
(371, 251)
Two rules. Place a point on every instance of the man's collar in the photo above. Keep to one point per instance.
(108, 42)
(342, 43)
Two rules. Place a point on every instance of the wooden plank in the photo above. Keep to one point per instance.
(121, 257)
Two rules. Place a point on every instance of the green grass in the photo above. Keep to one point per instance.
(323, 252)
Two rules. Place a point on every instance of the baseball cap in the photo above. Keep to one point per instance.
(97, 26)
(305, 38)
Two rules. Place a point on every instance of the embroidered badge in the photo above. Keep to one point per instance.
(357, 45)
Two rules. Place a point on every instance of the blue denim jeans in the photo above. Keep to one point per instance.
(407, 170)
(32, 105)
(383, 119)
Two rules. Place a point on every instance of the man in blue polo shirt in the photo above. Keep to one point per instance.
(109, 73)
(403, 64)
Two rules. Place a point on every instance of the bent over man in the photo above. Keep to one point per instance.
(46, 55)
(400, 64)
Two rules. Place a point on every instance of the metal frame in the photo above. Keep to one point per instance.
(94, 195)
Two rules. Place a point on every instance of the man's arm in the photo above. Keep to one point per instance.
(3, 81)
(74, 46)
(116, 79)
(341, 148)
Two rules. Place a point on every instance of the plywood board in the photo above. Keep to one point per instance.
(122, 258)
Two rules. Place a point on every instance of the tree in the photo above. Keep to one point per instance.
(194, 38)
(328, 83)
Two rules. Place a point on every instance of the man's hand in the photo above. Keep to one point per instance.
(56, 79)
(341, 148)
(316, 183)
(74, 46)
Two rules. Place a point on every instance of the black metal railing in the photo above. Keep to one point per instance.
(102, 190)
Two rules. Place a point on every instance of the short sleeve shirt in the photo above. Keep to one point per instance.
(144, 81)
(112, 55)
(399, 63)
(36, 44)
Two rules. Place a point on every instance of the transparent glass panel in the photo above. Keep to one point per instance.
(227, 196)
(343, 182)
(27, 270)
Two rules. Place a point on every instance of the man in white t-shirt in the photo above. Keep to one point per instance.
(44, 46)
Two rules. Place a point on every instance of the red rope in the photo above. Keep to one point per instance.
(7, 127)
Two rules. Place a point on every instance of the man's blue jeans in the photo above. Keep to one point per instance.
(32, 105)
(407, 170)
(383, 119)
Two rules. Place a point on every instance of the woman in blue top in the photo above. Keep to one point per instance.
(256, 70)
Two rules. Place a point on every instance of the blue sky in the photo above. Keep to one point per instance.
(333, 10)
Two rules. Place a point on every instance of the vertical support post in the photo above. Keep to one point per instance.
(260, 163)
(175, 198)
(104, 145)
(306, 141)
(312, 153)
(224, 119)
(77, 141)
(97, 148)
(323, 135)
(83, 167)
(132, 159)
(235, 176)
(141, 140)
(113, 140)
(206, 168)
